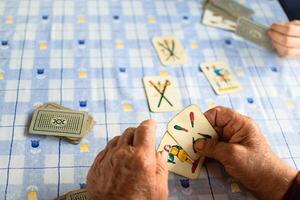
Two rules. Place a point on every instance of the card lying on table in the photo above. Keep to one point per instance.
(162, 94)
(179, 161)
(188, 126)
(170, 50)
(221, 77)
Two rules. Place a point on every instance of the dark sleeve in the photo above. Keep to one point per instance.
(291, 8)
(294, 191)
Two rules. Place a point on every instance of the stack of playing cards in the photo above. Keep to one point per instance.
(56, 120)
(182, 132)
(224, 13)
(74, 195)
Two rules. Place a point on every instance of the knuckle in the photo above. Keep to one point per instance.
(141, 162)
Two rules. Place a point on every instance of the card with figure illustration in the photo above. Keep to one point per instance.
(221, 77)
(170, 50)
(162, 94)
(179, 161)
(188, 126)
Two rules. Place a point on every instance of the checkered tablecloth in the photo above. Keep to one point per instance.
(91, 55)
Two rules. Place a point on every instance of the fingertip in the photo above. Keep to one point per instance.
(149, 122)
(199, 145)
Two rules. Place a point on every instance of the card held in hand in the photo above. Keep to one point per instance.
(221, 77)
(58, 123)
(254, 32)
(188, 126)
(179, 161)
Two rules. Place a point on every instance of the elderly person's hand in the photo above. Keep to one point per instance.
(246, 155)
(286, 38)
(129, 168)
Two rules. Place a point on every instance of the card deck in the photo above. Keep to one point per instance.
(179, 161)
(58, 122)
(188, 126)
(162, 94)
(254, 32)
(221, 77)
(170, 50)
(55, 108)
(79, 194)
(216, 17)
(234, 8)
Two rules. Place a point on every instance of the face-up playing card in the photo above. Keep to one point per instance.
(170, 50)
(221, 77)
(162, 94)
(188, 126)
(179, 161)
(216, 17)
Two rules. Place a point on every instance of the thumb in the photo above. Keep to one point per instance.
(215, 149)
(162, 174)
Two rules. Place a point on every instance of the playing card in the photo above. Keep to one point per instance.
(162, 94)
(77, 195)
(179, 161)
(221, 77)
(234, 8)
(216, 17)
(254, 32)
(90, 121)
(170, 50)
(188, 126)
(58, 122)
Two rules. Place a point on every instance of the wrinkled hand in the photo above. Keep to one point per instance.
(246, 155)
(129, 168)
(286, 38)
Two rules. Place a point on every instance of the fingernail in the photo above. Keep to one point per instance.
(199, 144)
(165, 155)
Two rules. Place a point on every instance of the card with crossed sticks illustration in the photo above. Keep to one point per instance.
(170, 50)
(162, 94)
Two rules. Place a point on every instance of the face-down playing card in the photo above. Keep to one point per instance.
(188, 126)
(162, 94)
(179, 161)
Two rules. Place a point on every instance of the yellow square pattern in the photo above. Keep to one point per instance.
(1, 75)
(32, 195)
(84, 147)
(43, 45)
(152, 20)
(9, 20)
(82, 74)
(127, 107)
(119, 45)
(81, 20)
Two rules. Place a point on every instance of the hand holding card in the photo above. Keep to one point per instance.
(188, 126)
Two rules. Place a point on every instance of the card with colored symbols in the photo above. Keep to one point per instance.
(179, 161)
(221, 77)
(170, 50)
(162, 94)
(188, 126)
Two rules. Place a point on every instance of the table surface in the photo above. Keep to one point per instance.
(91, 55)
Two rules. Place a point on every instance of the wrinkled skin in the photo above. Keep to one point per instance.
(286, 38)
(246, 155)
(129, 168)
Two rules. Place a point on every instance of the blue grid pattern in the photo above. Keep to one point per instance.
(46, 46)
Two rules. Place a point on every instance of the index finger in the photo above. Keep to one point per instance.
(291, 29)
(144, 136)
